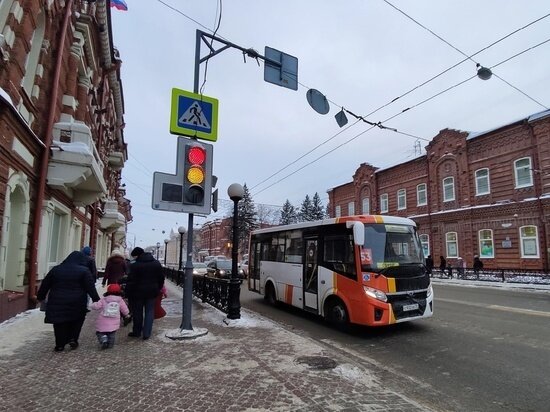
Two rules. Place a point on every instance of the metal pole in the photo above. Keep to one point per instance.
(234, 306)
(188, 280)
(181, 248)
(165, 252)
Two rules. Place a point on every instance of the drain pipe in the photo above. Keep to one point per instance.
(40, 194)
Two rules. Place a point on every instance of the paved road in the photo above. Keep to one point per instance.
(485, 350)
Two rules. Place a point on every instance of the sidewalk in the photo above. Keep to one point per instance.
(251, 365)
(487, 284)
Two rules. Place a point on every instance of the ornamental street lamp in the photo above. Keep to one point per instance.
(165, 249)
(158, 246)
(236, 193)
(181, 231)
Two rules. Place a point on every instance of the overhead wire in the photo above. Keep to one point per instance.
(460, 51)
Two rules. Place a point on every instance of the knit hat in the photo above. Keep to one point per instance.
(137, 251)
(113, 288)
(87, 250)
(116, 252)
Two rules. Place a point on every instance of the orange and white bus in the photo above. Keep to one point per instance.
(366, 270)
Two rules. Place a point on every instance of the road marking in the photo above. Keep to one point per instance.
(497, 307)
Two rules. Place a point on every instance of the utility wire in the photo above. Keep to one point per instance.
(460, 51)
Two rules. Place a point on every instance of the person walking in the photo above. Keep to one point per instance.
(115, 268)
(111, 305)
(478, 265)
(67, 287)
(460, 268)
(429, 265)
(87, 250)
(145, 282)
(442, 265)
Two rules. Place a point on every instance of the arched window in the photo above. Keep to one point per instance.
(482, 182)
(448, 189)
(451, 240)
(486, 246)
(529, 241)
(425, 242)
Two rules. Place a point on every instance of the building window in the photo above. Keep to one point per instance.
(529, 241)
(351, 208)
(451, 240)
(421, 195)
(448, 189)
(482, 182)
(523, 172)
(338, 211)
(31, 64)
(425, 242)
(366, 206)
(384, 203)
(401, 199)
(486, 248)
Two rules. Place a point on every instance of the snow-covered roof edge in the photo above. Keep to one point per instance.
(531, 118)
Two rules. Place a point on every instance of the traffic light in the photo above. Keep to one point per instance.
(197, 177)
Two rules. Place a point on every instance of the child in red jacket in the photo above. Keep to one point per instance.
(111, 305)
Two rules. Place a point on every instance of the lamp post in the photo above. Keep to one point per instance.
(181, 231)
(236, 193)
(158, 247)
(165, 250)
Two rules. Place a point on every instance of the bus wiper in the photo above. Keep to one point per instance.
(382, 271)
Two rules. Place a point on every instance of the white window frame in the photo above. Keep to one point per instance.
(480, 178)
(351, 208)
(337, 211)
(365, 205)
(448, 182)
(384, 203)
(401, 199)
(449, 242)
(483, 241)
(517, 170)
(523, 238)
(425, 243)
(421, 189)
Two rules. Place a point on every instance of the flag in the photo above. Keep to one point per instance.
(119, 4)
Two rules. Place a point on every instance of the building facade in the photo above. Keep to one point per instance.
(485, 194)
(62, 146)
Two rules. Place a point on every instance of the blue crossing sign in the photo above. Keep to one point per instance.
(194, 115)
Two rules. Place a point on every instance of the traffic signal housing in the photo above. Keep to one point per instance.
(197, 177)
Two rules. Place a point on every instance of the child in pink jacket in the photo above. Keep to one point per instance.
(111, 305)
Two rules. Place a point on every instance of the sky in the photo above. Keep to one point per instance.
(361, 54)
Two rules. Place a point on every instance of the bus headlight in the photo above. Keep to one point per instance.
(430, 291)
(376, 294)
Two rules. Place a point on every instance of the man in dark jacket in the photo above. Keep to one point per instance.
(145, 280)
(67, 287)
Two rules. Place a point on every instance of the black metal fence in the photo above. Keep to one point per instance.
(526, 276)
(211, 290)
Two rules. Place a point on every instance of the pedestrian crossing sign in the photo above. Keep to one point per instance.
(194, 115)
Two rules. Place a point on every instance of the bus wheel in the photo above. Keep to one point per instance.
(336, 313)
(270, 294)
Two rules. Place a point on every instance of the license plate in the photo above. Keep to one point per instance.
(408, 308)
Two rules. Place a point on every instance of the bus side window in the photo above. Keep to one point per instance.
(338, 255)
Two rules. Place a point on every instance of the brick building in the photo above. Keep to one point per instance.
(485, 194)
(62, 146)
(214, 238)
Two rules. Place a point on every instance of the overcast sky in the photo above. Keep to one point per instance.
(360, 53)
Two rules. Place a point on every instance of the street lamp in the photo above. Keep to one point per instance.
(181, 231)
(236, 193)
(158, 246)
(165, 249)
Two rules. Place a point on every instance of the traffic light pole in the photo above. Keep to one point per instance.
(188, 279)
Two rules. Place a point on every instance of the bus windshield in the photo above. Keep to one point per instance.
(390, 246)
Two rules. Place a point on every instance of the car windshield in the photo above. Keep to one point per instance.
(199, 265)
(224, 264)
(390, 246)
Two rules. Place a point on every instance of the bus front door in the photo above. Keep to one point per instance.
(310, 275)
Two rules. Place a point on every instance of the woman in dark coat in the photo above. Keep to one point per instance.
(115, 268)
(67, 287)
(145, 282)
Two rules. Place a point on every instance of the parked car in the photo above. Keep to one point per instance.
(199, 268)
(222, 269)
(244, 266)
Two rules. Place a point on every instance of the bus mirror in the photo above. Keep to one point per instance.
(358, 232)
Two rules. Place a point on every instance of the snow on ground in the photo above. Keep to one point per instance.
(22, 328)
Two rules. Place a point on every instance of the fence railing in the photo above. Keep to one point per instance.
(211, 290)
(527, 276)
